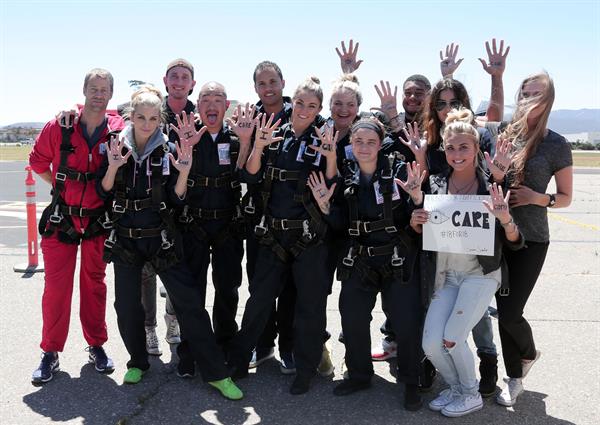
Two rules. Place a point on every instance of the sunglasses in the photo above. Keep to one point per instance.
(440, 105)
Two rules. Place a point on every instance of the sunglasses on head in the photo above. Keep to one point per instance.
(440, 105)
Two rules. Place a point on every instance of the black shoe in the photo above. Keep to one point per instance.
(45, 371)
(102, 363)
(349, 386)
(300, 385)
(238, 372)
(488, 370)
(412, 399)
(186, 368)
(428, 376)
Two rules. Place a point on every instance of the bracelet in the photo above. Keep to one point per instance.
(511, 221)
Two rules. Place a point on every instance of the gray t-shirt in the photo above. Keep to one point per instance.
(552, 155)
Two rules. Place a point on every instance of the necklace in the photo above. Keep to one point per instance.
(466, 188)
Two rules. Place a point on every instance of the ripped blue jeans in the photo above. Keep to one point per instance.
(454, 310)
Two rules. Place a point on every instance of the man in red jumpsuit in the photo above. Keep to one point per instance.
(68, 159)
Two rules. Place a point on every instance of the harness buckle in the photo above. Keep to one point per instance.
(504, 292)
(163, 206)
(397, 261)
(260, 229)
(60, 176)
(284, 224)
(235, 184)
(274, 146)
(249, 209)
(184, 217)
(110, 242)
(166, 244)
(56, 217)
(136, 205)
(306, 230)
(156, 162)
(107, 224)
(348, 261)
(281, 175)
(386, 174)
(191, 182)
(355, 231)
(119, 209)
(370, 251)
(391, 229)
(310, 151)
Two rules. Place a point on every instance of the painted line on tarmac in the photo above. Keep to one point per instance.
(574, 222)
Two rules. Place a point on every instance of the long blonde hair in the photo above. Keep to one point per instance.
(524, 138)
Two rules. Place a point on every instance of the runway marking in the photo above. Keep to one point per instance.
(574, 222)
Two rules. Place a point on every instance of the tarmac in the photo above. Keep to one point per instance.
(562, 388)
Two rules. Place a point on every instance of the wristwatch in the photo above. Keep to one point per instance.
(551, 201)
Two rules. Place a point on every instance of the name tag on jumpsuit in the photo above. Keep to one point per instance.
(379, 196)
(223, 151)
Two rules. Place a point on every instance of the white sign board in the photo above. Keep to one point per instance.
(460, 224)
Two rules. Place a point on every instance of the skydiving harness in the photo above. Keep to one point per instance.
(53, 218)
(397, 248)
(166, 255)
(191, 217)
(313, 228)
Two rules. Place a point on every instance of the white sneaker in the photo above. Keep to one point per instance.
(465, 404)
(512, 390)
(152, 345)
(387, 350)
(172, 336)
(443, 399)
(526, 364)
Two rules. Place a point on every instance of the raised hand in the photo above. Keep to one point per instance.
(496, 58)
(114, 151)
(389, 100)
(186, 129)
(502, 157)
(499, 204)
(413, 140)
(183, 163)
(448, 63)
(318, 187)
(413, 182)
(264, 132)
(329, 141)
(244, 125)
(348, 60)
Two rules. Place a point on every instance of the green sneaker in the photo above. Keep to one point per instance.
(133, 375)
(228, 389)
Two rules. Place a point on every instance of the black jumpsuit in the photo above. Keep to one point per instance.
(131, 252)
(307, 267)
(373, 272)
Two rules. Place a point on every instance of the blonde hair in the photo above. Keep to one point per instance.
(311, 85)
(347, 82)
(146, 95)
(459, 121)
(518, 131)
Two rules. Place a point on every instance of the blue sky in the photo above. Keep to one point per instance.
(47, 47)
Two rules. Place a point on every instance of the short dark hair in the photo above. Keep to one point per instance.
(418, 78)
(266, 65)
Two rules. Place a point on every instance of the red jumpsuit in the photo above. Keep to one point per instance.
(59, 257)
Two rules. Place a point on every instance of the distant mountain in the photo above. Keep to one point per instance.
(36, 125)
(565, 121)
